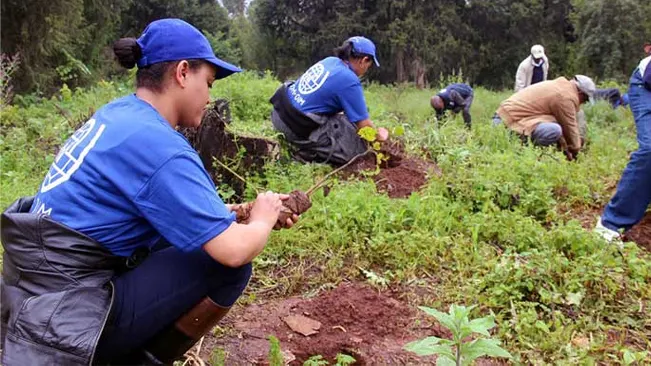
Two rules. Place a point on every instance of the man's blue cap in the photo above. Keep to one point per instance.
(365, 46)
(172, 40)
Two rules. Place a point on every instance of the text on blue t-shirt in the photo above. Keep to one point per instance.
(329, 87)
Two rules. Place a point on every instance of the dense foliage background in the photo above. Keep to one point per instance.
(68, 41)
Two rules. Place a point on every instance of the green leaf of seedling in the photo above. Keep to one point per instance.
(399, 131)
(343, 359)
(460, 313)
(482, 325)
(429, 346)
(443, 318)
(574, 298)
(367, 133)
(629, 358)
(446, 361)
(482, 347)
(376, 146)
(542, 326)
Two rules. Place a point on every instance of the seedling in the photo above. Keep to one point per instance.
(297, 203)
(458, 351)
(275, 354)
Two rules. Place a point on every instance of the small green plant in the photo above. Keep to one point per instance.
(343, 359)
(634, 358)
(369, 135)
(375, 279)
(275, 354)
(317, 360)
(218, 357)
(458, 351)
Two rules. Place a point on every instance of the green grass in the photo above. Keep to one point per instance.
(492, 231)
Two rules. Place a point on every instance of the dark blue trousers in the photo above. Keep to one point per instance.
(156, 293)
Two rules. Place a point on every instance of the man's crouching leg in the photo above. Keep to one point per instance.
(546, 134)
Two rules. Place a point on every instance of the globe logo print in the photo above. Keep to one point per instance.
(313, 79)
(72, 155)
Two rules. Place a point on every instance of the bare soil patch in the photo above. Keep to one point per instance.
(400, 175)
(355, 319)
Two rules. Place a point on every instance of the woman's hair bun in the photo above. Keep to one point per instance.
(127, 51)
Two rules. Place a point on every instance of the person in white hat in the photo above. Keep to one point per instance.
(532, 69)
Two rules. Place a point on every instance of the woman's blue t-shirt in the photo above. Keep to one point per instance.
(329, 87)
(126, 178)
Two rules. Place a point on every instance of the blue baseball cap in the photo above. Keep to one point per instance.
(174, 39)
(365, 46)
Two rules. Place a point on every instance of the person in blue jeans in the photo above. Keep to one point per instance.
(633, 194)
(127, 254)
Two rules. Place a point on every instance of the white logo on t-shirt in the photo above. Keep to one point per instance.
(313, 79)
(71, 155)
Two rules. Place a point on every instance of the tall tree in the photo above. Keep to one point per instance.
(611, 34)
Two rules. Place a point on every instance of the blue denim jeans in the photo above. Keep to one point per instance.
(156, 293)
(545, 134)
(633, 195)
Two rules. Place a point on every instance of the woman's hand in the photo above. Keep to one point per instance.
(290, 221)
(266, 208)
(382, 134)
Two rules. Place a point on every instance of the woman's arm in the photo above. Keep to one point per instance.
(240, 243)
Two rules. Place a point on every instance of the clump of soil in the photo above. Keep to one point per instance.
(355, 319)
(297, 203)
(641, 233)
(400, 175)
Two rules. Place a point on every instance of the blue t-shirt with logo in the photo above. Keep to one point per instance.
(126, 178)
(329, 87)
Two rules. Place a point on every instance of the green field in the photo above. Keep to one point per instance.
(500, 229)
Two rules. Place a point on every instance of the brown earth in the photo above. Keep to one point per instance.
(639, 234)
(400, 175)
(356, 320)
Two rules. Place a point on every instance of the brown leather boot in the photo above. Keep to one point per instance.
(172, 342)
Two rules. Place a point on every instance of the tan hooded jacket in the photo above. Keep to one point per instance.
(549, 101)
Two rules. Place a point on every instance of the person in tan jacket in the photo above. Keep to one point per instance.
(547, 112)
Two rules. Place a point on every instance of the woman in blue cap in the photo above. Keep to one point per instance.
(321, 112)
(127, 254)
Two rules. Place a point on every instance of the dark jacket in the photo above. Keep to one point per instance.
(611, 95)
(299, 123)
(457, 97)
(56, 290)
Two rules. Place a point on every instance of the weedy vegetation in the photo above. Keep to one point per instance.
(500, 231)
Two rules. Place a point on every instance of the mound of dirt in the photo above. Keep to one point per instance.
(241, 154)
(356, 320)
(641, 233)
(400, 175)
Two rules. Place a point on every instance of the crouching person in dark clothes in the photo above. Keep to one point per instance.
(321, 112)
(456, 98)
(613, 96)
(127, 255)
